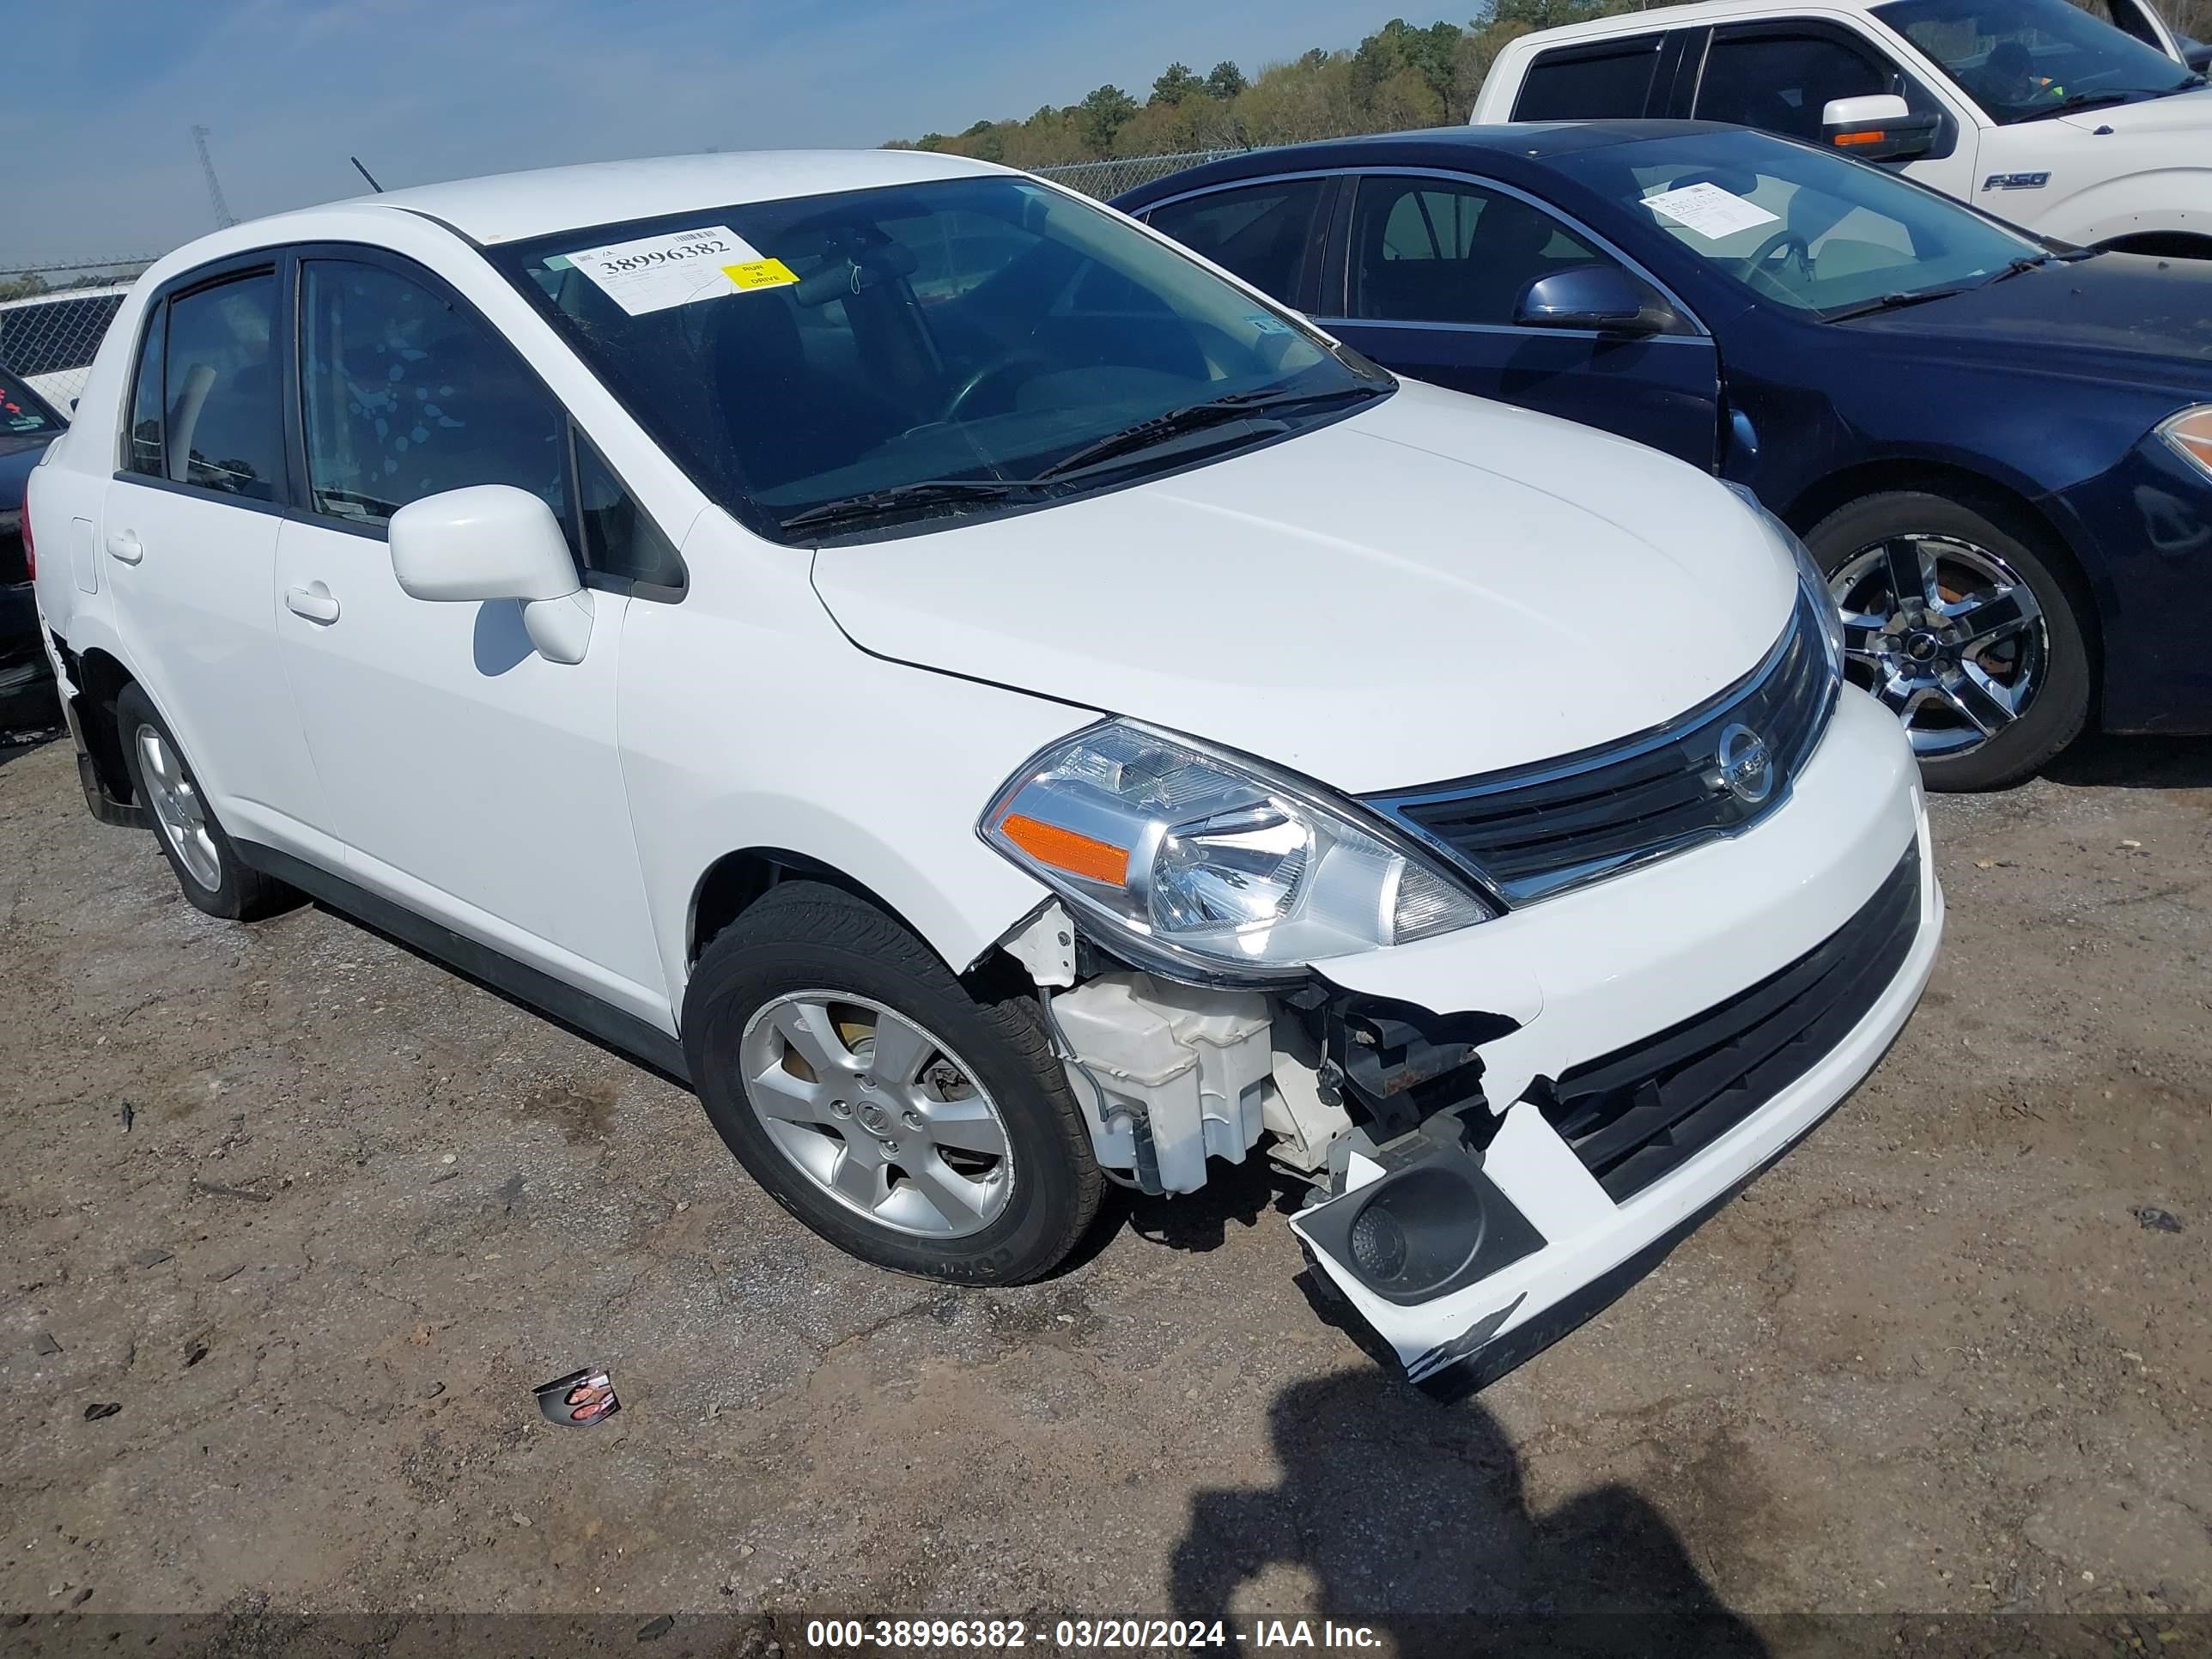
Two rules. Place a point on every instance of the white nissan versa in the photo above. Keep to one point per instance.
(999, 705)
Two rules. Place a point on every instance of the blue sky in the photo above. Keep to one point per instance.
(102, 93)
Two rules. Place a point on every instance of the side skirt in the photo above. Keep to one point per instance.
(519, 982)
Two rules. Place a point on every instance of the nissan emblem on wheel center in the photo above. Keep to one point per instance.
(578, 1399)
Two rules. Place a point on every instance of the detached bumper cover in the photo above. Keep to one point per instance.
(1760, 981)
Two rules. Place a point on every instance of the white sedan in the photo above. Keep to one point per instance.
(1000, 707)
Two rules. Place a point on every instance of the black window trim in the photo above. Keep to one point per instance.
(1312, 278)
(1824, 28)
(254, 263)
(1354, 178)
(293, 501)
(1605, 45)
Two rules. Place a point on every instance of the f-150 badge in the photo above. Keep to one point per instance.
(2016, 182)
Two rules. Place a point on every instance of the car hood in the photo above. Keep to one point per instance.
(2115, 317)
(1436, 587)
(2179, 111)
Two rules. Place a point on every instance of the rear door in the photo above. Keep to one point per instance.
(190, 537)
(1430, 271)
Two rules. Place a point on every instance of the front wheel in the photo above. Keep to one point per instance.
(857, 1081)
(1964, 628)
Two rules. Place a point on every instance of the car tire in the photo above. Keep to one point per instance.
(811, 974)
(206, 865)
(1978, 548)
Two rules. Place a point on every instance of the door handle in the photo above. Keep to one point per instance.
(124, 544)
(313, 602)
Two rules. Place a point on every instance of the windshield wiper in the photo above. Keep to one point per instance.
(1891, 302)
(1230, 407)
(2073, 103)
(899, 498)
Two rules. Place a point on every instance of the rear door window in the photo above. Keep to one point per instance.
(1590, 83)
(1263, 232)
(219, 390)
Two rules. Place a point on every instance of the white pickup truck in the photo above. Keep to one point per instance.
(2036, 110)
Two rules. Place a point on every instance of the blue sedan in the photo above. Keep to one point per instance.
(2000, 449)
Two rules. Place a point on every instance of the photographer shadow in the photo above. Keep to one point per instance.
(1411, 1519)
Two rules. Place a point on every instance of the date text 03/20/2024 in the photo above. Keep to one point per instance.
(1084, 1635)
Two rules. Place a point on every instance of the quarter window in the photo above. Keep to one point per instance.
(1262, 234)
(620, 537)
(403, 395)
(219, 391)
(1587, 84)
(142, 446)
(1435, 251)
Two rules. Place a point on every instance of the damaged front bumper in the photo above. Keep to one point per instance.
(1766, 976)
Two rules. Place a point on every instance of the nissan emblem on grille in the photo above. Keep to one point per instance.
(1746, 769)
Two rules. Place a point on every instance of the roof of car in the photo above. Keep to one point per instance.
(1519, 142)
(512, 207)
(1679, 16)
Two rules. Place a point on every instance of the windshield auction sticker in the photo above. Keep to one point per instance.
(1710, 211)
(657, 273)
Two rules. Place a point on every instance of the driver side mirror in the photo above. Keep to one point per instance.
(1881, 127)
(495, 542)
(1601, 298)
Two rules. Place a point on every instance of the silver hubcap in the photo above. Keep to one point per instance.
(177, 809)
(1945, 634)
(878, 1113)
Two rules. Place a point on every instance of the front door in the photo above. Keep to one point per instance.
(1433, 270)
(471, 779)
(190, 528)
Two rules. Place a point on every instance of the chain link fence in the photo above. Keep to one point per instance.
(1107, 179)
(52, 317)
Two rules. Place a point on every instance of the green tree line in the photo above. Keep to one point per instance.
(1399, 76)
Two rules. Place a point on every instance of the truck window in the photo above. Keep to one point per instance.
(1781, 82)
(1589, 83)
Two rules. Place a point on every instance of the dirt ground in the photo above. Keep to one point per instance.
(307, 1217)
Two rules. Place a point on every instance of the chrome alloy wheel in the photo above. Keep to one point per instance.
(878, 1113)
(177, 808)
(1946, 634)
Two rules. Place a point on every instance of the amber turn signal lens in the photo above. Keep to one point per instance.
(1065, 849)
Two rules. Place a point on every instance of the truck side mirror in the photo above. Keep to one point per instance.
(1880, 127)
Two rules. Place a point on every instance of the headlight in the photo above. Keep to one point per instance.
(1209, 863)
(1812, 580)
(2190, 432)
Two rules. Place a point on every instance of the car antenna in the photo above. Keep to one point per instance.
(366, 173)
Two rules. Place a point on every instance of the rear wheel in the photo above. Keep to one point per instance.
(1964, 626)
(901, 1118)
(206, 865)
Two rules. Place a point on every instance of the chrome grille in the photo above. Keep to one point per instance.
(1539, 829)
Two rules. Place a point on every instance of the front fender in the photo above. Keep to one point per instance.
(2175, 200)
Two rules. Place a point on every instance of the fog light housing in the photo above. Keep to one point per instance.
(1424, 1231)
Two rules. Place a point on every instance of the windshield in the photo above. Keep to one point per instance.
(1796, 225)
(21, 409)
(900, 353)
(2025, 60)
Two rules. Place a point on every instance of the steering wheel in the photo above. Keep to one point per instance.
(1786, 241)
(990, 374)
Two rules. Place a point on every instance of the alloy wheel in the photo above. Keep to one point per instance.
(1946, 635)
(879, 1113)
(177, 808)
